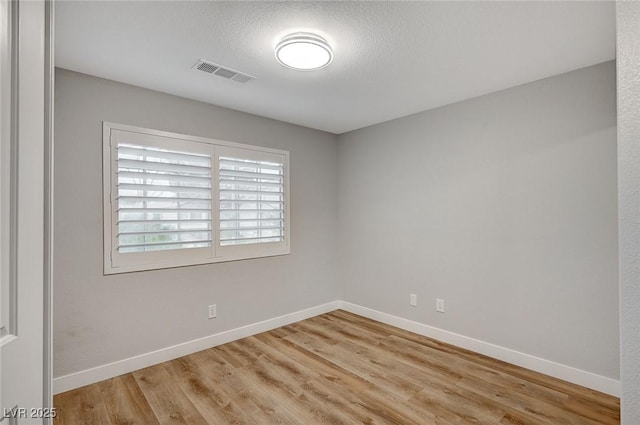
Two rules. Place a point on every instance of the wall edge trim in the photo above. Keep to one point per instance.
(566, 373)
(120, 367)
(556, 370)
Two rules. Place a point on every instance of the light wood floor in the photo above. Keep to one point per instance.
(337, 368)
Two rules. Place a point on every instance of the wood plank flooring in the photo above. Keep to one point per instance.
(337, 368)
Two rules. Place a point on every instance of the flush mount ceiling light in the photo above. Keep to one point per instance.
(304, 51)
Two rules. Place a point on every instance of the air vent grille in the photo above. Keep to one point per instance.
(225, 73)
(242, 78)
(221, 71)
(207, 67)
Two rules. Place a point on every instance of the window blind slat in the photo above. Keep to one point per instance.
(227, 182)
(274, 238)
(250, 228)
(234, 165)
(269, 210)
(251, 219)
(167, 232)
(163, 188)
(162, 199)
(151, 154)
(151, 244)
(269, 205)
(231, 173)
(167, 210)
(249, 192)
(160, 166)
(165, 177)
(178, 221)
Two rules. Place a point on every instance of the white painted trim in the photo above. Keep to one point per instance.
(206, 140)
(537, 364)
(114, 262)
(110, 370)
(47, 392)
(556, 370)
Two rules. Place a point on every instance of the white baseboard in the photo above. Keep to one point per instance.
(556, 370)
(110, 370)
(566, 373)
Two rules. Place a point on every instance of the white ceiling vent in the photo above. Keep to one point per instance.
(221, 71)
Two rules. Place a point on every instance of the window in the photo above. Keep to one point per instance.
(174, 200)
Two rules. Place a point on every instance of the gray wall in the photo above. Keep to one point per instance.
(100, 319)
(628, 28)
(503, 205)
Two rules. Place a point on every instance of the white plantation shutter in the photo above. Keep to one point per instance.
(252, 199)
(174, 200)
(163, 199)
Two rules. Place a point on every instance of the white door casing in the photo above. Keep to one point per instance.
(5, 171)
(22, 203)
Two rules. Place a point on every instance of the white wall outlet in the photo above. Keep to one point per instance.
(439, 305)
(212, 311)
(413, 300)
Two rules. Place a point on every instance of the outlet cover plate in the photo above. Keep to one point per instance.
(439, 305)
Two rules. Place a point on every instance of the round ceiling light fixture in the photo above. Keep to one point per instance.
(304, 51)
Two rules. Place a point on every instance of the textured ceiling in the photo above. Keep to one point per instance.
(391, 58)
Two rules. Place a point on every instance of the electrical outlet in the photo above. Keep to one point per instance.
(439, 305)
(212, 311)
(413, 300)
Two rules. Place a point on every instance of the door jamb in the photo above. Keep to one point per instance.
(49, 65)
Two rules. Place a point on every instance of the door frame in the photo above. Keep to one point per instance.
(49, 86)
(38, 48)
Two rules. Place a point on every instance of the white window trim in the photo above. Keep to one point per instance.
(193, 256)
